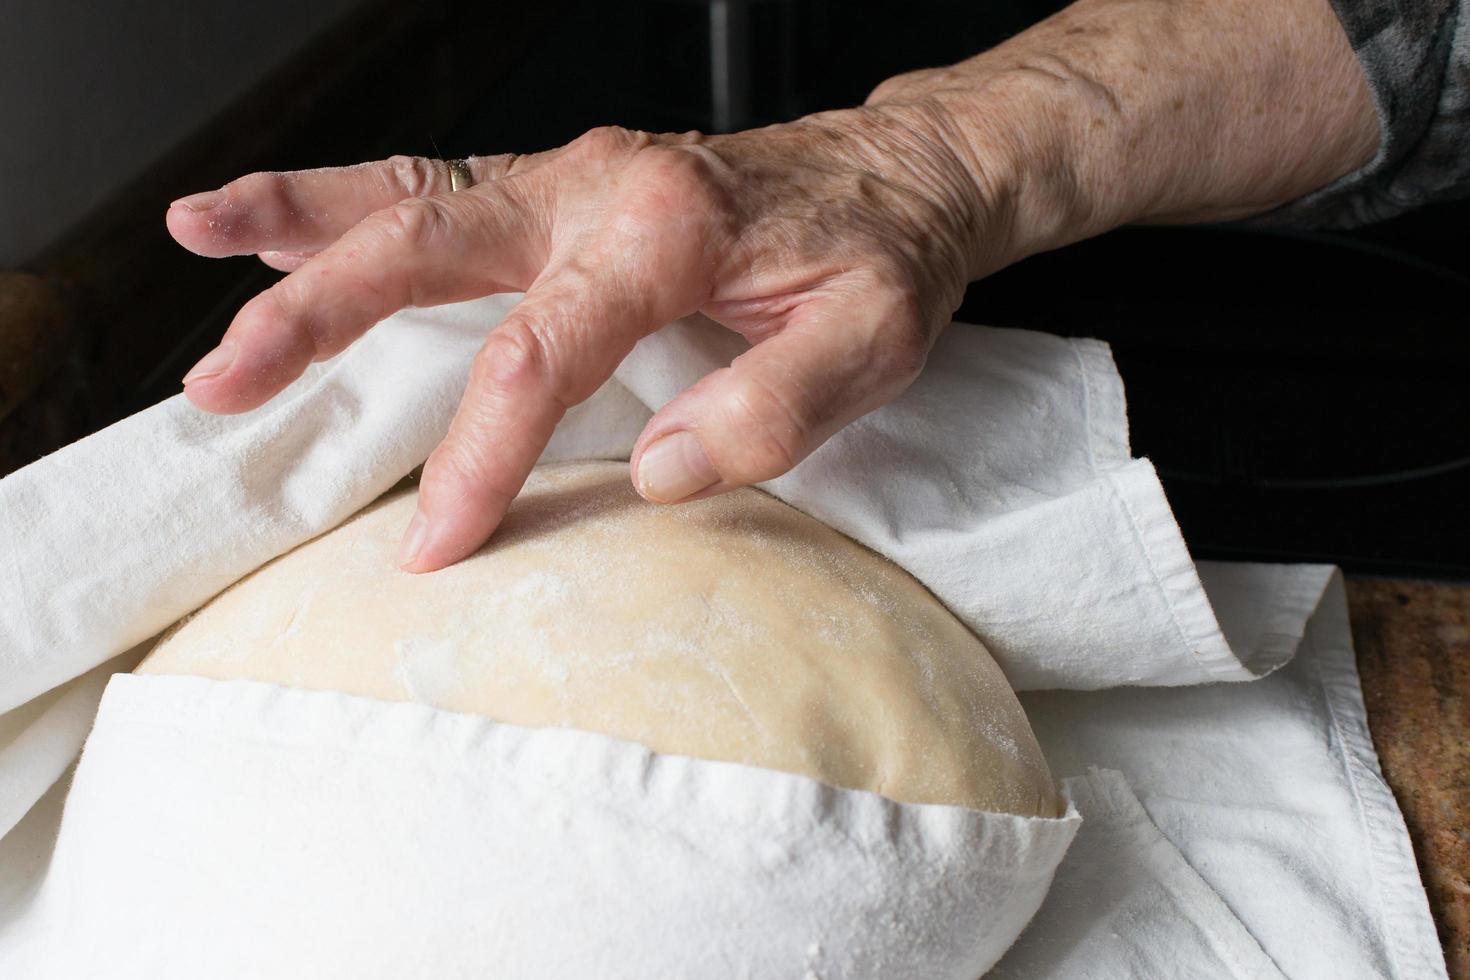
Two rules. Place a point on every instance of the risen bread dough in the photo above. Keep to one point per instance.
(734, 628)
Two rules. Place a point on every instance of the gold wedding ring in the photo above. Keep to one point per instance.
(459, 174)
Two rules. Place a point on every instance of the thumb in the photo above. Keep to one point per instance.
(834, 361)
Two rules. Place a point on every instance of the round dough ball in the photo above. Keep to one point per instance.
(734, 628)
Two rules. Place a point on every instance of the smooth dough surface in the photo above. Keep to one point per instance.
(734, 628)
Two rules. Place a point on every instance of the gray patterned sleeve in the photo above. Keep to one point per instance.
(1416, 55)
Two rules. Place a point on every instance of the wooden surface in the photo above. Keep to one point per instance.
(1413, 645)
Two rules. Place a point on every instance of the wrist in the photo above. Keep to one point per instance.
(1029, 139)
(974, 155)
(951, 225)
(1114, 111)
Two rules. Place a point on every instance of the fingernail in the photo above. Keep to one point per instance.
(673, 468)
(203, 201)
(215, 362)
(413, 539)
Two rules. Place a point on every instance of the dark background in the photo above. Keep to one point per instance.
(1303, 395)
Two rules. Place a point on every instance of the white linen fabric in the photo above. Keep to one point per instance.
(243, 829)
(39, 741)
(1107, 917)
(1272, 793)
(1002, 480)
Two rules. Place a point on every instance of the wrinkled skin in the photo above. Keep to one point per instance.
(838, 245)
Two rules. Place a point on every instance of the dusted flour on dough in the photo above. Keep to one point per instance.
(734, 628)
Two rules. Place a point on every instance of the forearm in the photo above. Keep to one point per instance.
(1118, 111)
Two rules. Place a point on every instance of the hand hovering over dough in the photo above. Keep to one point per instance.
(838, 244)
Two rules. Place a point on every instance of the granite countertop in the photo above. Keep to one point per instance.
(1413, 645)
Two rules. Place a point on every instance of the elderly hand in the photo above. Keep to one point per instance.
(838, 246)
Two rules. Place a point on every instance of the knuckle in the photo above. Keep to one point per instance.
(264, 191)
(681, 169)
(681, 165)
(462, 465)
(260, 182)
(516, 357)
(415, 222)
(610, 140)
(498, 165)
(672, 184)
(279, 305)
(412, 176)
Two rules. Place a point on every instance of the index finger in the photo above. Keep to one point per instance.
(553, 351)
(307, 210)
(420, 252)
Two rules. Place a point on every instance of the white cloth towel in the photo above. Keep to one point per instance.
(1151, 915)
(1272, 793)
(242, 829)
(1002, 480)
